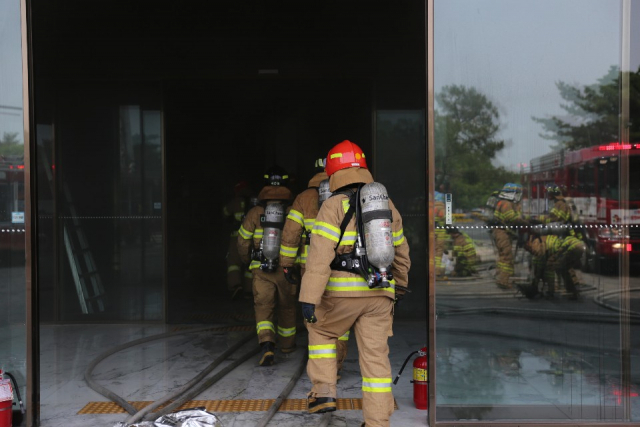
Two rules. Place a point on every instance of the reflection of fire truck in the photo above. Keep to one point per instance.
(591, 179)
(12, 205)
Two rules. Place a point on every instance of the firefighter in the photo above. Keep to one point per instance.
(297, 232)
(239, 278)
(335, 294)
(553, 255)
(441, 232)
(271, 291)
(464, 251)
(506, 215)
(560, 217)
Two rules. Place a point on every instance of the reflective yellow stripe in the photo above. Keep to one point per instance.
(254, 264)
(238, 216)
(376, 385)
(350, 284)
(286, 332)
(296, 216)
(335, 155)
(345, 337)
(258, 233)
(248, 275)
(398, 237)
(309, 223)
(345, 205)
(288, 251)
(244, 233)
(349, 238)
(324, 351)
(326, 230)
(233, 268)
(302, 259)
(264, 326)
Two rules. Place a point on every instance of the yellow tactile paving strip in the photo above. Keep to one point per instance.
(290, 405)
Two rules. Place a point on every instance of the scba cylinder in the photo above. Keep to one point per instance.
(273, 224)
(323, 192)
(377, 219)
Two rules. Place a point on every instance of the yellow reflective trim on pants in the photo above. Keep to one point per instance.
(323, 351)
(286, 332)
(244, 233)
(376, 385)
(264, 326)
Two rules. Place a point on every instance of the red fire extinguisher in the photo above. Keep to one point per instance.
(6, 400)
(420, 378)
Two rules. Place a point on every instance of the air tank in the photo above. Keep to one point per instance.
(323, 192)
(274, 215)
(376, 217)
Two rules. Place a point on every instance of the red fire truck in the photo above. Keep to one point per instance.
(591, 179)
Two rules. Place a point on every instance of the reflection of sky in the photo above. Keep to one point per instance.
(10, 67)
(515, 52)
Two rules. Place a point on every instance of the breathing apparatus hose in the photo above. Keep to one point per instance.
(195, 380)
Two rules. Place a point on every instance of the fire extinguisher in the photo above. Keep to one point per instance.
(6, 401)
(420, 378)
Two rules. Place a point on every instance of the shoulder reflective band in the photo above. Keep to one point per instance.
(244, 233)
(344, 337)
(264, 326)
(326, 230)
(376, 385)
(286, 332)
(324, 351)
(296, 216)
(398, 237)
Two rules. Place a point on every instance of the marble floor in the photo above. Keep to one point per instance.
(149, 371)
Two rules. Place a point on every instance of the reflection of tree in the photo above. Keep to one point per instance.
(466, 125)
(592, 112)
(10, 145)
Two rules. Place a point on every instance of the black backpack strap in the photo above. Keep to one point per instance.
(349, 214)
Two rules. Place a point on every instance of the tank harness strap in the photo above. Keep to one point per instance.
(348, 261)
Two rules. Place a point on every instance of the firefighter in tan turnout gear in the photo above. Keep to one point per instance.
(505, 217)
(260, 235)
(239, 278)
(297, 232)
(343, 287)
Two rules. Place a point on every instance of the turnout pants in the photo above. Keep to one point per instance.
(372, 319)
(505, 265)
(275, 305)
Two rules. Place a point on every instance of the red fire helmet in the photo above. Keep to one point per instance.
(345, 155)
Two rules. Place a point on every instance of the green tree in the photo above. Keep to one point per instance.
(466, 128)
(10, 145)
(592, 113)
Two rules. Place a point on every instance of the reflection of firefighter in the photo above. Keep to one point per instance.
(260, 233)
(335, 293)
(239, 277)
(441, 233)
(553, 255)
(464, 251)
(505, 216)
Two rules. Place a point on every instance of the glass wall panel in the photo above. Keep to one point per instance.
(12, 201)
(531, 219)
(100, 202)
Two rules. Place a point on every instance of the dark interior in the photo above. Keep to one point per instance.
(149, 112)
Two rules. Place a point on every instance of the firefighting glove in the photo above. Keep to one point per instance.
(290, 275)
(309, 312)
